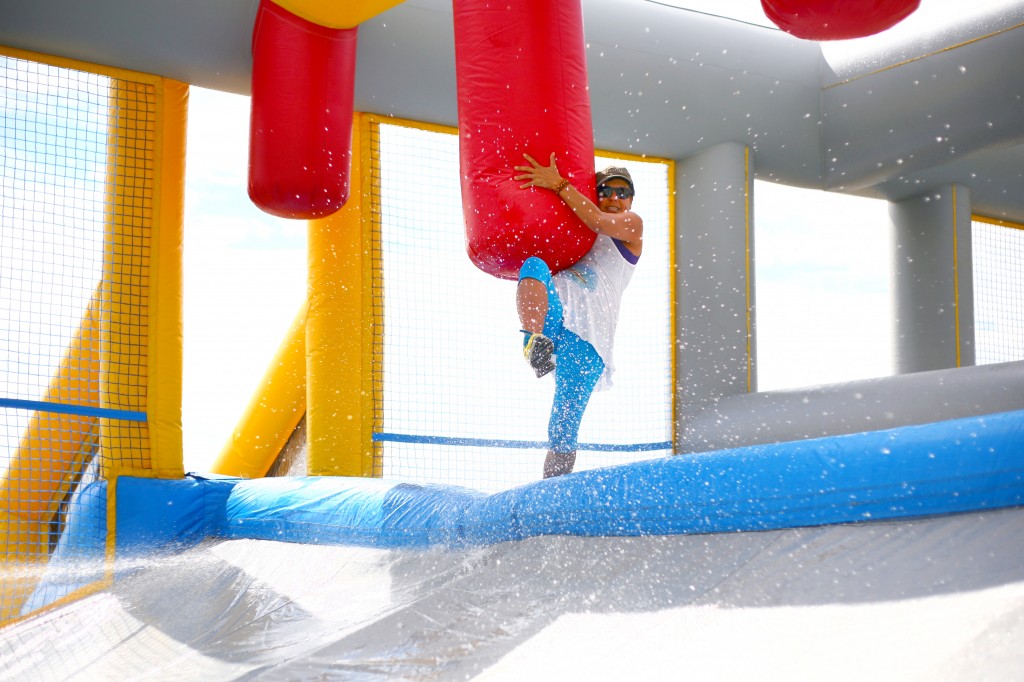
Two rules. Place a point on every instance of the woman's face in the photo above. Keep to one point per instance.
(611, 201)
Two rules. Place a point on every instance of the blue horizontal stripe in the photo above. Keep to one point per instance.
(80, 410)
(521, 444)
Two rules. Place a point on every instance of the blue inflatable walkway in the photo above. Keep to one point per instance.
(940, 468)
(947, 467)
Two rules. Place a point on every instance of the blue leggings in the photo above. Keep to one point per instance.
(577, 366)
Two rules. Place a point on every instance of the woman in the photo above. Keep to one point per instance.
(572, 315)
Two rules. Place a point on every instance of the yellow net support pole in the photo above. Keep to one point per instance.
(273, 412)
(341, 332)
(141, 293)
(164, 352)
(130, 188)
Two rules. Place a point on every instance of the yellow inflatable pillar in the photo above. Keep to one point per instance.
(164, 349)
(274, 411)
(341, 330)
(141, 296)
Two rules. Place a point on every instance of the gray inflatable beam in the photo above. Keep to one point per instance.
(854, 407)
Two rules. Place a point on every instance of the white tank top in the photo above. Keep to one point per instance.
(591, 295)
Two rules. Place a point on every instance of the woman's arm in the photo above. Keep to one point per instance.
(626, 226)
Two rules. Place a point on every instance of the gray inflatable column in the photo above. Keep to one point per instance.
(714, 251)
(933, 284)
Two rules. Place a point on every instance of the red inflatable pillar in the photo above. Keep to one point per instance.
(300, 135)
(522, 87)
(837, 19)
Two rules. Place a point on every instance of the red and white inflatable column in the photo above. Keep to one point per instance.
(303, 84)
(522, 87)
(837, 19)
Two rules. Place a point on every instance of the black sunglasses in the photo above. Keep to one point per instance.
(605, 192)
